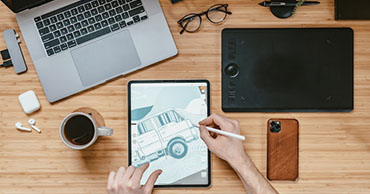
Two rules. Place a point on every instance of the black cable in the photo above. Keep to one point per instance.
(7, 63)
(6, 58)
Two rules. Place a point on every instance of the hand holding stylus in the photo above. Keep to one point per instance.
(232, 151)
(226, 148)
(225, 133)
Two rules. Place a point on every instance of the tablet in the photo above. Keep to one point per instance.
(161, 115)
(287, 70)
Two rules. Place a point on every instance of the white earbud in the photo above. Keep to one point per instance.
(32, 122)
(18, 125)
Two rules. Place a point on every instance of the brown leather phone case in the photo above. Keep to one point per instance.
(282, 150)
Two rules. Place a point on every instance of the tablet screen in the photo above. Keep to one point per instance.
(162, 132)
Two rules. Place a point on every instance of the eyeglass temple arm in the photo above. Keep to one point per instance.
(183, 28)
(219, 9)
(228, 12)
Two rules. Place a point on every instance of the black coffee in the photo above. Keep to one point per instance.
(79, 130)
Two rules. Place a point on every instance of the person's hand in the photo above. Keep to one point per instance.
(226, 148)
(232, 151)
(127, 181)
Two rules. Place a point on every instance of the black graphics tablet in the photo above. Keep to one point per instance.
(293, 69)
(161, 131)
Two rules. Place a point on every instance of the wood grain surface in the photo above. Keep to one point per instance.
(334, 147)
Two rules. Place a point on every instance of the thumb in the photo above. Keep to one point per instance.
(204, 134)
(148, 187)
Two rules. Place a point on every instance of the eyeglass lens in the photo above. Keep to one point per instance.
(217, 13)
(192, 23)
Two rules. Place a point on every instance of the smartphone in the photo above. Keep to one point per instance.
(282, 149)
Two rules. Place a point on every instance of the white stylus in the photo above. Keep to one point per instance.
(225, 133)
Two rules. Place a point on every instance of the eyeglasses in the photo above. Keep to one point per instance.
(215, 14)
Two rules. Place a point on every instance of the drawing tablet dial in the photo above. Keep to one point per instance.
(232, 70)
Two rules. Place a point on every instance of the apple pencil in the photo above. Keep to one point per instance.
(225, 133)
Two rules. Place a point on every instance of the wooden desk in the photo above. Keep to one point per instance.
(334, 147)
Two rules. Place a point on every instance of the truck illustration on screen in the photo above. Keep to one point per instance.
(164, 134)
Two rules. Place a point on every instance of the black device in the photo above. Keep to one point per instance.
(287, 70)
(286, 4)
(175, 1)
(285, 8)
(20, 5)
(352, 9)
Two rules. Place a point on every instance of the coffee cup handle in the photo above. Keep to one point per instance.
(105, 131)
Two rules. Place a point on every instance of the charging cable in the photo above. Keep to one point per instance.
(6, 58)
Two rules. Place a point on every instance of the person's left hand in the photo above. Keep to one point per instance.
(127, 181)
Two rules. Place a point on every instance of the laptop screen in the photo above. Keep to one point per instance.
(20, 5)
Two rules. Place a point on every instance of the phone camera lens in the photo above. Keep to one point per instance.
(275, 127)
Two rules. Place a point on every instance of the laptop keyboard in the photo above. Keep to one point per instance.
(85, 20)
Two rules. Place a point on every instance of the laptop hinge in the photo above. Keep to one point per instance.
(38, 3)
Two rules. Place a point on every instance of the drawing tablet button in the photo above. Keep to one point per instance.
(232, 70)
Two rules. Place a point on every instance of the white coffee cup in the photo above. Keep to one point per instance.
(97, 131)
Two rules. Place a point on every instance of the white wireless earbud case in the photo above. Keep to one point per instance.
(29, 102)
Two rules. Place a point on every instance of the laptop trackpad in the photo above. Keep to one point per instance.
(106, 58)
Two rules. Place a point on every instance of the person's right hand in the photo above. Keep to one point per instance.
(232, 151)
(226, 148)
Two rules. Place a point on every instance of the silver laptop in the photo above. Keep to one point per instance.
(76, 45)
